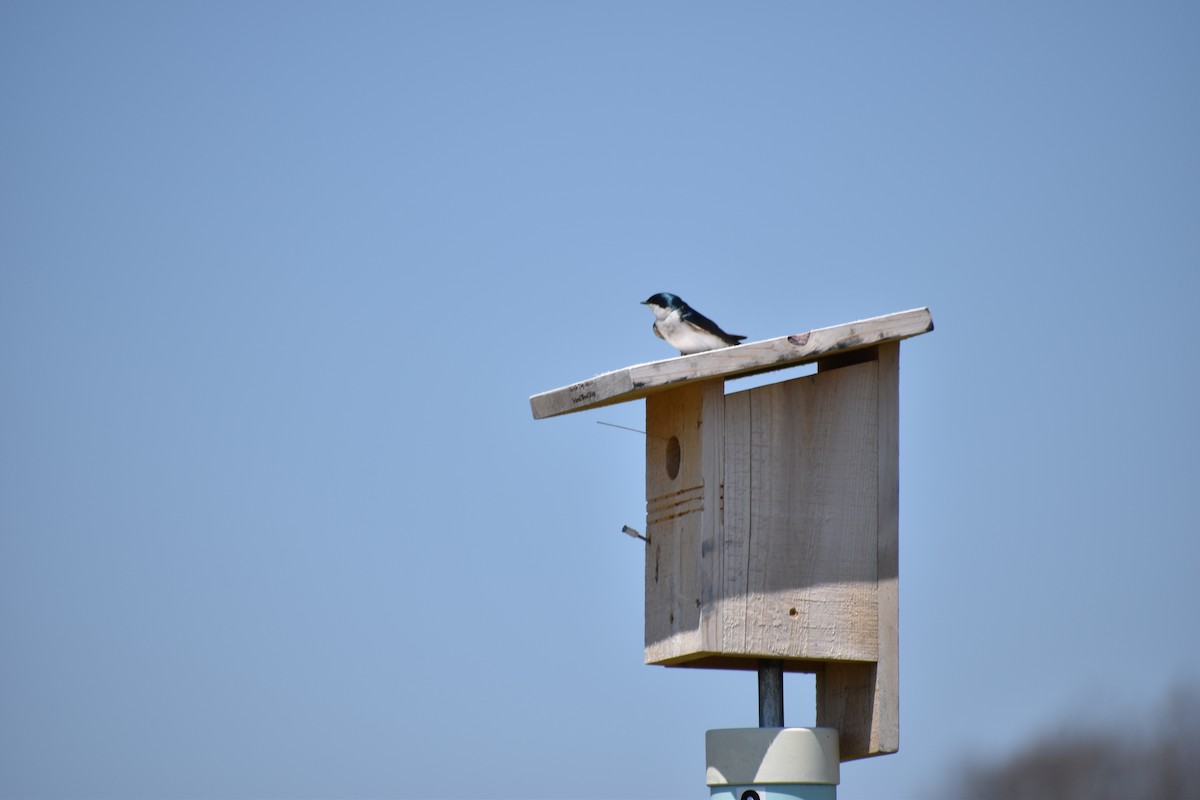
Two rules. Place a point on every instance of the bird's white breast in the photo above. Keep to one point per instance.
(686, 338)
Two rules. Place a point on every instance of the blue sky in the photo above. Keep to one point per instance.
(277, 281)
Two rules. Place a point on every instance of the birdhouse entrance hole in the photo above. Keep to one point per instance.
(671, 459)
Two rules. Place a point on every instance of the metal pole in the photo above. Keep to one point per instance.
(770, 694)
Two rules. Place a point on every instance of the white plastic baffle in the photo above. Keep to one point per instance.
(772, 763)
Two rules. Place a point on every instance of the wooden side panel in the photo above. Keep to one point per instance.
(733, 553)
(799, 561)
(712, 444)
(863, 700)
(682, 512)
(846, 702)
(885, 731)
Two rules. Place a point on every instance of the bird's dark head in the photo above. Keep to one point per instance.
(663, 300)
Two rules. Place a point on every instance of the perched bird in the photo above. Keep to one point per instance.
(684, 327)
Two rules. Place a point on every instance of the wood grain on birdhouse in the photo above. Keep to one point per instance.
(772, 513)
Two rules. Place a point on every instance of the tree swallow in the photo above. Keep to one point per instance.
(684, 327)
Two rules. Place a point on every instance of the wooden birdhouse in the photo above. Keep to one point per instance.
(772, 513)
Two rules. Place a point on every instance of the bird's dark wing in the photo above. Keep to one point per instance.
(694, 317)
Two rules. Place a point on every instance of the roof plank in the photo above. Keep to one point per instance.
(640, 380)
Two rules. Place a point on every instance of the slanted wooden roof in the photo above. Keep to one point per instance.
(640, 380)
